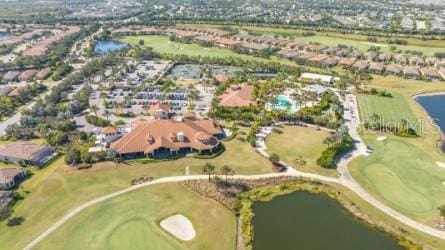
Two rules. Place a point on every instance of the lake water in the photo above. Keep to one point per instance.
(435, 107)
(104, 47)
(302, 220)
(3, 37)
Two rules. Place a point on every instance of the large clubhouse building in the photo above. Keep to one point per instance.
(165, 137)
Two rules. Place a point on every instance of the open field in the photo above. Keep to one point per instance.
(304, 142)
(402, 172)
(132, 221)
(390, 109)
(56, 189)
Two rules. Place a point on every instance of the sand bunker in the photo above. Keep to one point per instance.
(179, 226)
(382, 138)
(440, 164)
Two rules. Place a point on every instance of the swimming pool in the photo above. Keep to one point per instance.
(284, 103)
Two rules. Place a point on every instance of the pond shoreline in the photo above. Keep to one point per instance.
(440, 145)
(276, 190)
(241, 200)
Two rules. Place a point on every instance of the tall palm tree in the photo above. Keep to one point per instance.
(208, 169)
(107, 114)
(226, 170)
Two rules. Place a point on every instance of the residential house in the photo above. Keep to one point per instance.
(376, 67)
(253, 48)
(400, 59)
(314, 47)
(347, 62)
(288, 53)
(226, 43)
(385, 57)
(43, 74)
(163, 138)
(430, 60)
(411, 72)
(360, 65)
(205, 39)
(430, 73)
(330, 61)
(27, 152)
(394, 69)
(10, 76)
(27, 75)
(16, 92)
(4, 91)
(370, 55)
(237, 96)
(10, 176)
(317, 59)
(416, 60)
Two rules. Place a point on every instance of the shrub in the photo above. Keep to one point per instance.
(97, 121)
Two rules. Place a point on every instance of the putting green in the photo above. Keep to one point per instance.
(403, 176)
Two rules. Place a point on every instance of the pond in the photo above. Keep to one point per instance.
(302, 220)
(3, 36)
(107, 46)
(435, 107)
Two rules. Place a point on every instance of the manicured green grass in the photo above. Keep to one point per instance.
(54, 191)
(131, 221)
(402, 175)
(303, 142)
(390, 109)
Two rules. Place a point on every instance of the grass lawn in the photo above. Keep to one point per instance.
(402, 172)
(303, 142)
(55, 190)
(131, 221)
(390, 109)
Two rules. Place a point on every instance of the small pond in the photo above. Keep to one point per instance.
(104, 47)
(3, 36)
(302, 220)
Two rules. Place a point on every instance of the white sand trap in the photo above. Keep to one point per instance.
(382, 138)
(440, 164)
(179, 226)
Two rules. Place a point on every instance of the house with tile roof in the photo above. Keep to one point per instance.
(237, 96)
(9, 177)
(28, 152)
(165, 137)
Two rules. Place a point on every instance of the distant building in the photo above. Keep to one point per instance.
(28, 152)
(326, 79)
(43, 74)
(430, 73)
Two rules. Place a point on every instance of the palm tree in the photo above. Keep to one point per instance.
(226, 170)
(208, 169)
(107, 114)
(94, 108)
